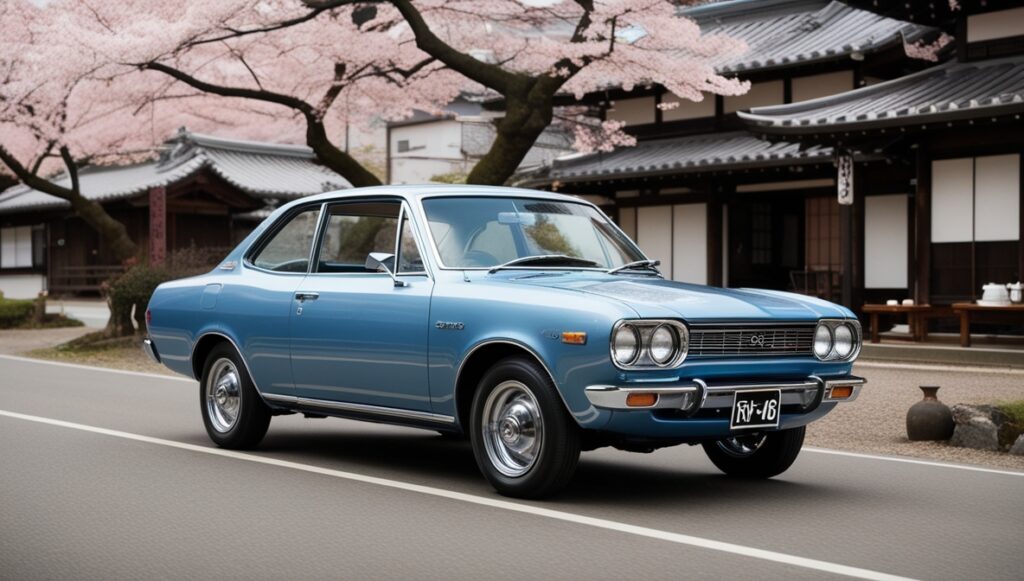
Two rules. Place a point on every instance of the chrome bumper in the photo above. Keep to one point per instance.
(150, 349)
(697, 394)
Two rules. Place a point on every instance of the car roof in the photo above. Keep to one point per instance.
(416, 191)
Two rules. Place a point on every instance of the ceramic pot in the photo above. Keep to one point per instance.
(929, 419)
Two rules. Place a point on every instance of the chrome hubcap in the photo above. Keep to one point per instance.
(513, 429)
(742, 446)
(223, 395)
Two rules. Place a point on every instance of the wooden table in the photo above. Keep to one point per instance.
(915, 318)
(965, 310)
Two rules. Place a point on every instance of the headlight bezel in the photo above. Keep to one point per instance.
(853, 326)
(645, 329)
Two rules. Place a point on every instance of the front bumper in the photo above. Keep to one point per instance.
(150, 348)
(695, 395)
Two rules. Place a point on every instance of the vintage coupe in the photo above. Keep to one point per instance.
(524, 320)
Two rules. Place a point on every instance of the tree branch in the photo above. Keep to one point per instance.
(239, 92)
(69, 163)
(32, 180)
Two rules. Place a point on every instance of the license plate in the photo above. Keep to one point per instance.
(756, 409)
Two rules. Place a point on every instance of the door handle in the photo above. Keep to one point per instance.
(306, 296)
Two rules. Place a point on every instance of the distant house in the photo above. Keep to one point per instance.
(427, 147)
(200, 191)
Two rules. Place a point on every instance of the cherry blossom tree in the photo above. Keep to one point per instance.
(345, 61)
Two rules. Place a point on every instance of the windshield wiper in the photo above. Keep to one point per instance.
(649, 264)
(560, 258)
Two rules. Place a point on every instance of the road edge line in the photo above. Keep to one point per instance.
(94, 368)
(636, 530)
(910, 460)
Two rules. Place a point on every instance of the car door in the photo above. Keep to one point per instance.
(358, 336)
(257, 305)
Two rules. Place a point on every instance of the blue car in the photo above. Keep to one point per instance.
(523, 320)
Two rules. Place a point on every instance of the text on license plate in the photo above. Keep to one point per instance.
(756, 409)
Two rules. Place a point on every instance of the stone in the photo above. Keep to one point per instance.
(975, 427)
(1018, 446)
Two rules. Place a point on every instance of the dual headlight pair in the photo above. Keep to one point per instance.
(836, 340)
(649, 343)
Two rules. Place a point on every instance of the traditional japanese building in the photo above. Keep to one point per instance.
(201, 191)
(717, 203)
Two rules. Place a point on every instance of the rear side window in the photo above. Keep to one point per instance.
(288, 249)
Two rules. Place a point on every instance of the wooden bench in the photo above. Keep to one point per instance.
(916, 318)
(967, 310)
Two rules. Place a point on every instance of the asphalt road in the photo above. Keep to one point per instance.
(109, 475)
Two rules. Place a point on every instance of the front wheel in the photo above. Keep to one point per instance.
(756, 455)
(524, 441)
(233, 412)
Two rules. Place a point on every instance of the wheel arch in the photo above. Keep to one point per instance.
(478, 360)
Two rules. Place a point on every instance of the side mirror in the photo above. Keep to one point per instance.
(377, 260)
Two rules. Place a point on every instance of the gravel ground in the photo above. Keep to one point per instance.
(876, 422)
(873, 424)
(21, 340)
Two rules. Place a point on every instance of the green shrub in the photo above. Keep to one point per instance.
(133, 290)
(15, 312)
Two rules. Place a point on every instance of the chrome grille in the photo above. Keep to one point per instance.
(751, 341)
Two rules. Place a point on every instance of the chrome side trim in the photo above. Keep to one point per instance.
(362, 409)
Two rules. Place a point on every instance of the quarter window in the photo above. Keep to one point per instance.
(288, 250)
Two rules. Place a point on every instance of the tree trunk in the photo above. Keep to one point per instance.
(337, 160)
(523, 123)
(110, 230)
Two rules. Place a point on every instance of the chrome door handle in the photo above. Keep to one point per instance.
(306, 296)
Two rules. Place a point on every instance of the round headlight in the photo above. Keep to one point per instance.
(626, 345)
(844, 341)
(663, 345)
(822, 342)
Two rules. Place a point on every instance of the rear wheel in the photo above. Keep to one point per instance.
(233, 412)
(524, 441)
(756, 455)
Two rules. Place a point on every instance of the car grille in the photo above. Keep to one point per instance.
(753, 341)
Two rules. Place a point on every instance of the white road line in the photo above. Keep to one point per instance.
(681, 539)
(906, 460)
(96, 368)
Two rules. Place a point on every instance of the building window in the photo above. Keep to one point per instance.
(761, 241)
(403, 145)
(16, 247)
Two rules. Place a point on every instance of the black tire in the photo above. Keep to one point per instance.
(555, 455)
(252, 417)
(774, 456)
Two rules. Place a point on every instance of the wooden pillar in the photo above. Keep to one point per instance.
(715, 249)
(157, 226)
(860, 188)
(923, 228)
(846, 244)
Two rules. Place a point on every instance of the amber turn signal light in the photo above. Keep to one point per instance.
(842, 391)
(641, 400)
(574, 337)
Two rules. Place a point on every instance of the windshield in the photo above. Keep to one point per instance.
(486, 232)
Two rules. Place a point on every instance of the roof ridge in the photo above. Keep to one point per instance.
(207, 141)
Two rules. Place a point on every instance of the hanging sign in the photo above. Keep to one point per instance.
(844, 178)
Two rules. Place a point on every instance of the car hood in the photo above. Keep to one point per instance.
(654, 297)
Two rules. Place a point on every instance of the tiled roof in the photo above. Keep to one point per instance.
(698, 153)
(261, 170)
(958, 90)
(787, 32)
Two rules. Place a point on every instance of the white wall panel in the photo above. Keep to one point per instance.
(812, 87)
(22, 286)
(885, 241)
(627, 221)
(952, 200)
(690, 243)
(997, 198)
(654, 235)
(759, 95)
(637, 111)
(992, 25)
